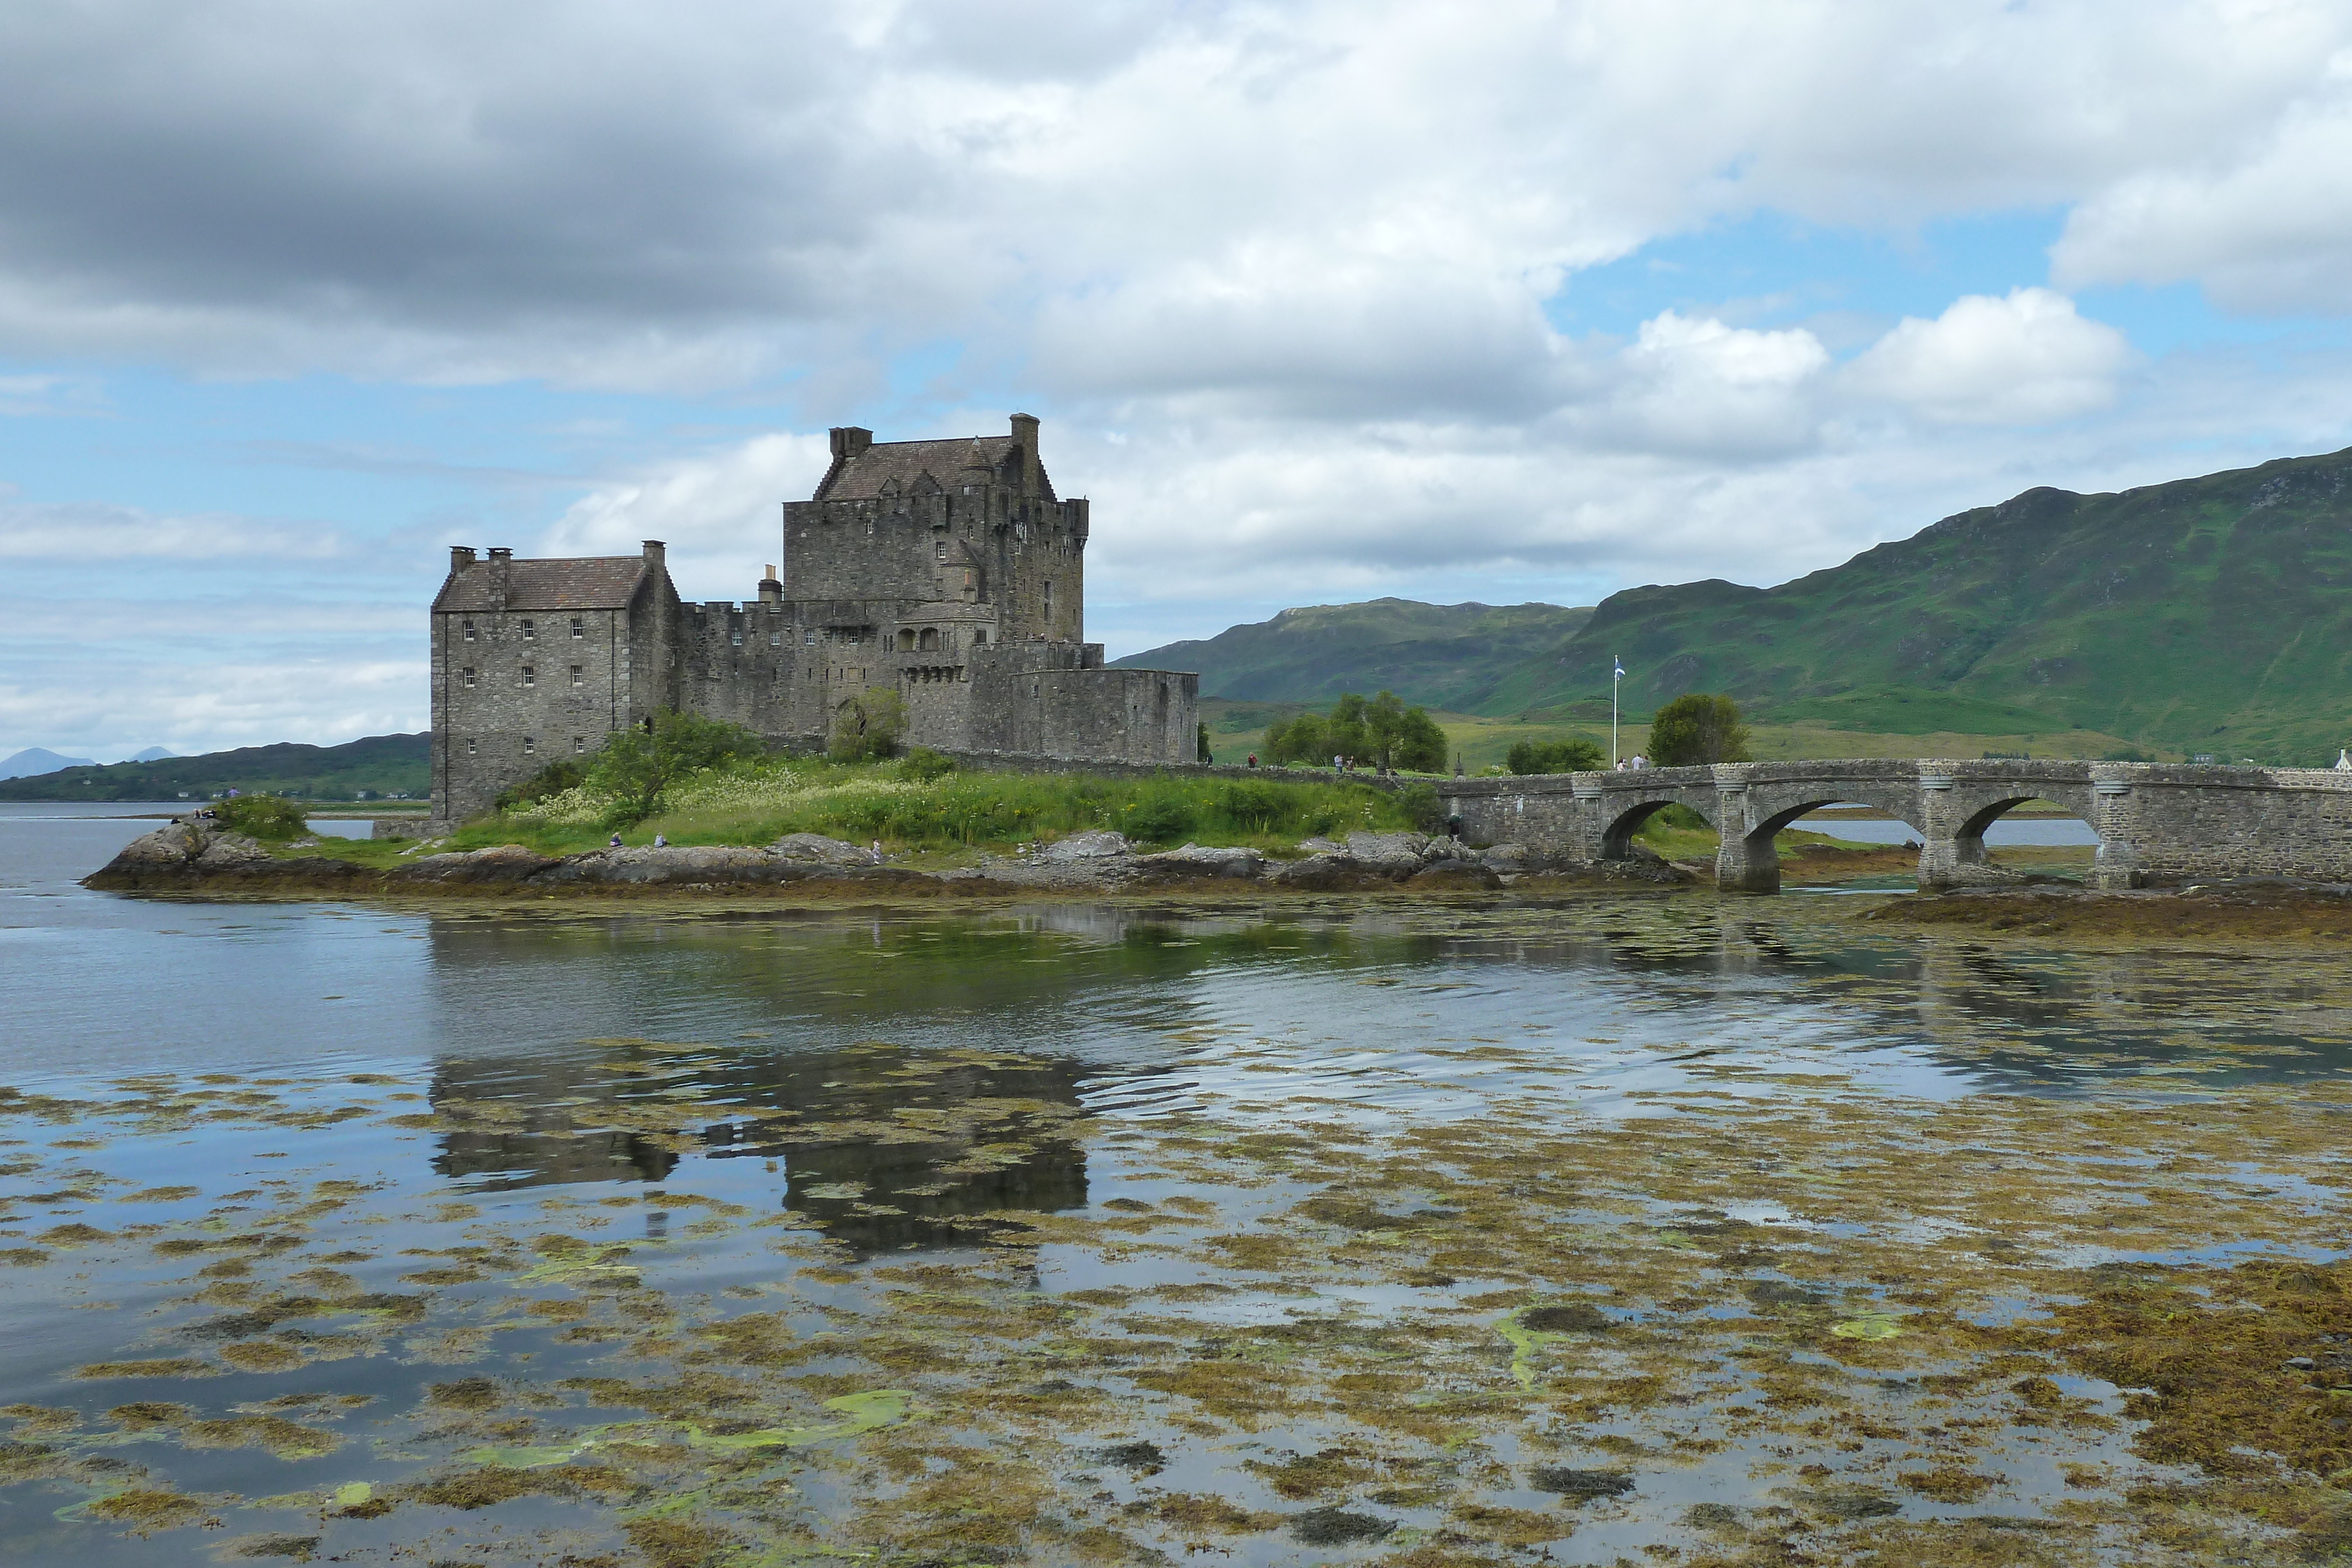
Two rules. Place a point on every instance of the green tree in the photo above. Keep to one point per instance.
(1201, 751)
(1300, 739)
(868, 724)
(1696, 728)
(1574, 754)
(638, 764)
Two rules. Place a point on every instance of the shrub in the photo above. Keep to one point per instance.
(1695, 729)
(1201, 752)
(262, 817)
(1420, 807)
(1574, 754)
(921, 765)
(637, 765)
(565, 773)
(868, 725)
(1161, 818)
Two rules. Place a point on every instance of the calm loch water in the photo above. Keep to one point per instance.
(1729, 1230)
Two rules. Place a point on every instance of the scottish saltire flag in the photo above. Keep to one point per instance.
(1620, 667)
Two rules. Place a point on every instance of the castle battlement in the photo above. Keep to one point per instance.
(949, 572)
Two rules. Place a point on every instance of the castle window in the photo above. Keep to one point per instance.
(579, 627)
(530, 676)
(529, 630)
(1049, 596)
(940, 549)
(470, 748)
(579, 745)
(469, 630)
(775, 639)
(808, 637)
(579, 675)
(1036, 687)
(467, 675)
(980, 636)
(529, 747)
(738, 639)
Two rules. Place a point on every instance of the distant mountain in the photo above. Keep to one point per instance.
(1446, 655)
(152, 754)
(381, 765)
(2209, 614)
(35, 759)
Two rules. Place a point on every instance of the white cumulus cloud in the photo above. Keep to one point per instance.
(2027, 359)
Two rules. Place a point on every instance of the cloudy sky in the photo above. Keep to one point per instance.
(1318, 301)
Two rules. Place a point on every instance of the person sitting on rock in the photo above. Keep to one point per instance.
(615, 842)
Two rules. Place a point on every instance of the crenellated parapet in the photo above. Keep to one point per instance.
(2158, 824)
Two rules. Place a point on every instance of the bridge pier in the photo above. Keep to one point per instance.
(1746, 857)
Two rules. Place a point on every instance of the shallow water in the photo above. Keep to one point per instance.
(1295, 1233)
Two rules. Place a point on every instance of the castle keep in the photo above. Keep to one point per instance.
(947, 571)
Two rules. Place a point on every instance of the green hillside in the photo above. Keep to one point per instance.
(2211, 614)
(381, 764)
(1443, 656)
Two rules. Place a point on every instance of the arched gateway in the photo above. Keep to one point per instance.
(2157, 823)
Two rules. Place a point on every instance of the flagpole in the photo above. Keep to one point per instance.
(1614, 679)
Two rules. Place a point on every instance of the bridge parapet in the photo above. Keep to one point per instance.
(2157, 823)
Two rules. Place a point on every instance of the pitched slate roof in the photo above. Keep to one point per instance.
(949, 463)
(583, 582)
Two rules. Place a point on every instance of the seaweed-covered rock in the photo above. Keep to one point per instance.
(1336, 1526)
(1452, 877)
(1566, 1481)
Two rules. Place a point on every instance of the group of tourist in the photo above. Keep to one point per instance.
(1637, 760)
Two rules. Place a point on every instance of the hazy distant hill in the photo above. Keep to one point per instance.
(1447, 656)
(35, 759)
(381, 764)
(2211, 614)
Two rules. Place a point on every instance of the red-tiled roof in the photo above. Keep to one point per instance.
(586, 583)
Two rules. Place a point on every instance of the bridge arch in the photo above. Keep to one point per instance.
(1617, 836)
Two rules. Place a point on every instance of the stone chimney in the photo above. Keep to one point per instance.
(502, 562)
(848, 441)
(1024, 432)
(460, 558)
(772, 589)
(655, 556)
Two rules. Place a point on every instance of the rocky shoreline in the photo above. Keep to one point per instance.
(194, 857)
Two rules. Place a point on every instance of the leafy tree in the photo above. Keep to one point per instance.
(868, 724)
(1201, 751)
(1574, 754)
(638, 764)
(1301, 739)
(1382, 731)
(1696, 728)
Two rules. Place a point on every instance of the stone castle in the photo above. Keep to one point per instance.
(947, 571)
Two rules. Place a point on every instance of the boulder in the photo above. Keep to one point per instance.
(1321, 847)
(1218, 861)
(1386, 846)
(1100, 843)
(1506, 858)
(231, 852)
(669, 865)
(500, 863)
(817, 849)
(166, 848)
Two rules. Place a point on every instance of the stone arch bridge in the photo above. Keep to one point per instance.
(2158, 824)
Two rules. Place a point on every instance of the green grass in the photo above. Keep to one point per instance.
(758, 804)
